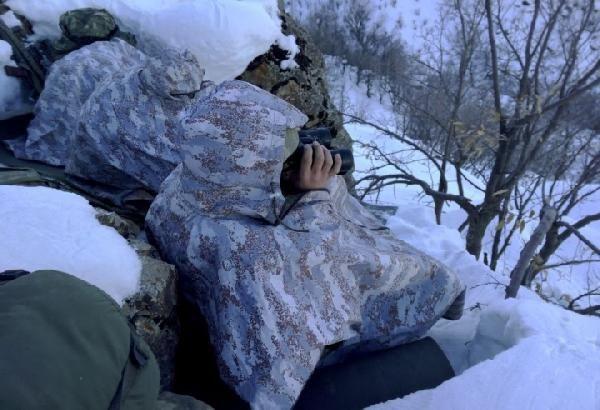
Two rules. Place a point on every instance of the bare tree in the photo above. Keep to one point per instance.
(560, 231)
(592, 309)
(533, 62)
(352, 31)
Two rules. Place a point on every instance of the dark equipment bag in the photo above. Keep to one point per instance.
(64, 344)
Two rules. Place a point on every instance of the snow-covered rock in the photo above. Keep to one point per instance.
(303, 84)
(224, 35)
(44, 228)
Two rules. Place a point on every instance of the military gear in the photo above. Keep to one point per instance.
(9, 275)
(81, 27)
(111, 114)
(291, 142)
(66, 345)
(88, 25)
(277, 288)
(323, 137)
(376, 377)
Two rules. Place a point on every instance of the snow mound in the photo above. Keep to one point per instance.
(44, 228)
(224, 35)
(552, 362)
(519, 353)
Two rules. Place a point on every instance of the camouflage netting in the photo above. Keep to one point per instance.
(276, 288)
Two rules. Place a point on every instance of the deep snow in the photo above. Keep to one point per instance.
(523, 353)
(224, 35)
(44, 228)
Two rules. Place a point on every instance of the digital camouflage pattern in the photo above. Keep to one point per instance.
(275, 294)
(81, 27)
(69, 84)
(128, 135)
(88, 24)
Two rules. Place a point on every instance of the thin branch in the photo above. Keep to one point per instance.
(567, 263)
(494, 55)
(578, 234)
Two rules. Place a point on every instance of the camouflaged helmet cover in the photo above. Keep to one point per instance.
(88, 24)
(174, 75)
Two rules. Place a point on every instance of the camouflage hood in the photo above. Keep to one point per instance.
(235, 151)
(175, 75)
(70, 83)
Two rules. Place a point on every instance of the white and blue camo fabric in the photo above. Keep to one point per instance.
(70, 82)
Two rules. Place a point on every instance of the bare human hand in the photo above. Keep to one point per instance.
(317, 167)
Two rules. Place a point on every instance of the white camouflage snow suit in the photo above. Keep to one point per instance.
(276, 289)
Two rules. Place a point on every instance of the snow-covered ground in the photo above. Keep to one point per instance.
(509, 354)
(224, 35)
(521, 353)
(44, 228)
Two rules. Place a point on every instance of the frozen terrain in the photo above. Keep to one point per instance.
(44, 228)
(224, 35)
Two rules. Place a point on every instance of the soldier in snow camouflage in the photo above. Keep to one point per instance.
(120, 108)
(69, 84)
(277, 287)
(128, 135)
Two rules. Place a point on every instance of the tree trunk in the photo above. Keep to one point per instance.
(498, 236)
(437, 202)
(477, 224)
(517, 274)
(551, 244)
